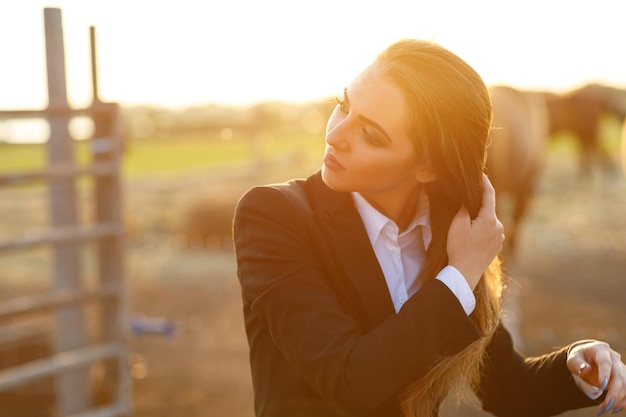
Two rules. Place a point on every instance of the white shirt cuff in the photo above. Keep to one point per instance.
(455, 281)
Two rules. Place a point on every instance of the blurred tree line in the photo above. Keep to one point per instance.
(221, 121)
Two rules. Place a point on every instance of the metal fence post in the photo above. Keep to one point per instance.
(106, 147)
(70, 333)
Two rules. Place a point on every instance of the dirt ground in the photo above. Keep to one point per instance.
(569, 283)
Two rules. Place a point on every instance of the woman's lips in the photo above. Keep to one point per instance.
(331, 163)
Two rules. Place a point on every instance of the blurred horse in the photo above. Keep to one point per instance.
(514, 162)
(515, 154)
(580, 112)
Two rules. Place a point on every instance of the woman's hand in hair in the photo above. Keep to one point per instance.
(600, 369)
(473, 244)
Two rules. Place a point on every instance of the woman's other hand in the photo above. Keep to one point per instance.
(602, 369)
(473, 244)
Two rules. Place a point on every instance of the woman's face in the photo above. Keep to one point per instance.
(367, 145)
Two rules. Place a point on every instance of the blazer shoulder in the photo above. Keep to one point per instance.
(277, 196)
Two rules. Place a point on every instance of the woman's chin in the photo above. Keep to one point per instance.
(331, 179)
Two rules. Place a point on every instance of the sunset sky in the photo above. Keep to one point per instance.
(244, 51)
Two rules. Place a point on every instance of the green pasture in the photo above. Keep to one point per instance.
(178, 154)
(175, 154)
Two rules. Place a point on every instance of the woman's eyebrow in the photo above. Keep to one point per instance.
(365, 119)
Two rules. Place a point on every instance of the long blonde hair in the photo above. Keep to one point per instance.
(451, 121)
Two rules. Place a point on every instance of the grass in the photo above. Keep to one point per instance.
(178, 154)
(175, 155)
(170, 154)
(17, 157)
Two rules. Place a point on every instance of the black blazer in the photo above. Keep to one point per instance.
(323, 334)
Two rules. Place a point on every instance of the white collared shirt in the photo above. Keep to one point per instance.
(401, 262)
(401, 255)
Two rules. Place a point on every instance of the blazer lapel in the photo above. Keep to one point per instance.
(338, 219)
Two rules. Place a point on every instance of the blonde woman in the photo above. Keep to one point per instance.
(372, 288)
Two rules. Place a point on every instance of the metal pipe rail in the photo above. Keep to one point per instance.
(59, 171)
(52, 111)
(16, 376)
(57, 298)
(60, 235)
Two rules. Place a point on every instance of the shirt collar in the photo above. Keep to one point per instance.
(374, 221)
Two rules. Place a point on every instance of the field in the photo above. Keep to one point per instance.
(569, 279)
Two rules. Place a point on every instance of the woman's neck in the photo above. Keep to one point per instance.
(400, 209)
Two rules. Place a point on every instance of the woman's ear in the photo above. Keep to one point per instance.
(424, 174)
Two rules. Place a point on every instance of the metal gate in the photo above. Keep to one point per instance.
(72, 354)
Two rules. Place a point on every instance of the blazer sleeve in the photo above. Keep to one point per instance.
(286, 286)
(518, 386)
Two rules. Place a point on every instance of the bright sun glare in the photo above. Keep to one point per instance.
(239, 52)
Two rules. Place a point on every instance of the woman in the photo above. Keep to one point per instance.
(372, 288)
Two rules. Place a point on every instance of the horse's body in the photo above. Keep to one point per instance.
(580, 112)
(515, 154)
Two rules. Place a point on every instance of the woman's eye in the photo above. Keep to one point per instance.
(370, 138)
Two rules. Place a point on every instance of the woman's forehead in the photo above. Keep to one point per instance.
(376, 97)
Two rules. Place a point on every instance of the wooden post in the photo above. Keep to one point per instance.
(106, 147)
(71, 387)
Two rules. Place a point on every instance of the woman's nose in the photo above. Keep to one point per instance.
(336, 136)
